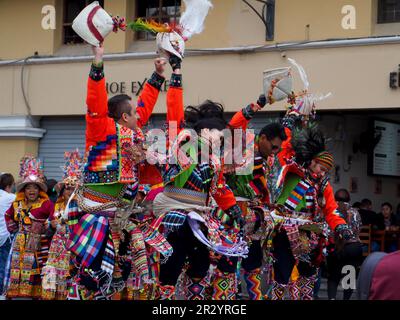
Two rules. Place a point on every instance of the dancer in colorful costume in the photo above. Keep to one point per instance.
(107, 244)
(303, 180)
(253, 196)
(28, 217)
(254, 191)
(56, 273)
(189, 187)
(190, 184)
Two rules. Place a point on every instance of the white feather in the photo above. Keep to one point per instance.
(192, 20)
(302, 72)
(321, 97)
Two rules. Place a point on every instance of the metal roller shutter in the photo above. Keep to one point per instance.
(62, 134)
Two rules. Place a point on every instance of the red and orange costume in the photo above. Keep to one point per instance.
(111, 180)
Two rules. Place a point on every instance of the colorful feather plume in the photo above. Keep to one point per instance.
(149, 26)
(72, 169)
(190, 23)
(30, 166)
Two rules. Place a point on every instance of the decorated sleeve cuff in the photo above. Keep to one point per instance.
(234, 212)
(344, 231)
(248, 112)
(176, 81)
(289, 121)
(156, 80)
(97, 71)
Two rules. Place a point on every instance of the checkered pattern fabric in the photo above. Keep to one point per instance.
(174, 219)
(87, 238)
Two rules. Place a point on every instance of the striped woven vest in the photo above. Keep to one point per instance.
(109, 162)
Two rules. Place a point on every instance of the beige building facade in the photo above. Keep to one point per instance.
(347, 47)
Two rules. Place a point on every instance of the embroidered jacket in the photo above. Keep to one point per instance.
(18, 213)
(285, 156)
(107, 143)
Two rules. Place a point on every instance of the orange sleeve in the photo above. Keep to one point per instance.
(145, 104)
(148, 99)
(239, 121)
(330, 210)
(175, 110)
(98, 124)
(286, 149)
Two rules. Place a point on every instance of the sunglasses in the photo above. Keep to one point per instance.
(342, 200)
(275, 148)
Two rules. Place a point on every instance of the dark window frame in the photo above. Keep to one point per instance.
(383, 11)
(162, 15)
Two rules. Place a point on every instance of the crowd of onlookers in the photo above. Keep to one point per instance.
(387, 219)
(358, 215)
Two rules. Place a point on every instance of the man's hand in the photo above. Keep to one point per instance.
(137, 153)
(98, 53)
(255, 107)
(159, 64)
(175, 63)
(262, 101)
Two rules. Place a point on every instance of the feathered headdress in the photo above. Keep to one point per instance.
(171, 37)
(303, 102)
(307, 143)
(72, 170)
(31, 171)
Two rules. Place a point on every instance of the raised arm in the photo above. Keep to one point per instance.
(148, 98)
(175, 109)
(242, 118)
(98, 124)
(332, 216)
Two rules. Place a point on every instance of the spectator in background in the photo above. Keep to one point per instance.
(368, 217)
(351, 254)
(387, 221)
(51, 191)
(357, 205)
(386, 218)
(6, 199)
(397, 214)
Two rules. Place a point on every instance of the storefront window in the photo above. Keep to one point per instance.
(161, 11)
(388, 11)
(71, 9)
